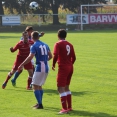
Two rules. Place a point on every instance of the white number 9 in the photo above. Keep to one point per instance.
(68, 49)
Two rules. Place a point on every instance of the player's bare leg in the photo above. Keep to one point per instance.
(7, 78)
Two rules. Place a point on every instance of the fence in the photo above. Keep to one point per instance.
(41, 20)
(35, 19)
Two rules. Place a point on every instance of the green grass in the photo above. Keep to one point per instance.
(93, 86)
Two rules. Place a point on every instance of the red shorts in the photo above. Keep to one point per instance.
(64, 75)
(19, 60)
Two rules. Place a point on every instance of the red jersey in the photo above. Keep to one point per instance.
(24, 48)
(64, 52)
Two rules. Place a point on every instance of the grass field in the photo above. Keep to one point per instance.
(93, 86)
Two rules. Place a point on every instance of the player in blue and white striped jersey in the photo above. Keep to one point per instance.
(42, 53)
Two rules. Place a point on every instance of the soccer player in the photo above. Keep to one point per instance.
(29, 29)
(64, 54)
(24, 49)
(42, 53)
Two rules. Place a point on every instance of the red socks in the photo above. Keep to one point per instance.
(69, 101)
(63, 100)
(29, 82)
(8, 77)
(66, 100)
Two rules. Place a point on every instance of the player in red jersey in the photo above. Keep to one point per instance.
(29, 29)
(24, 49)
(65, 56)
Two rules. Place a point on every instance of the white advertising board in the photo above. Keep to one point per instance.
(11, 20)
(76, 19)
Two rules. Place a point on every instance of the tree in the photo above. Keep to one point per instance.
(115, 1)
(22, 6)
(1, 8)
(1, 12)
(72, 5)
(55, 5)
(11, 4)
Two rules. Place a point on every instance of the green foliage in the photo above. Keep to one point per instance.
(115, 1)
(93, 83)
(22, 6)
(45, 6)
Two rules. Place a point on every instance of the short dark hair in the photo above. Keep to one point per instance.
(24, 32)
(28, 28)
(35, 35)
(62, 33)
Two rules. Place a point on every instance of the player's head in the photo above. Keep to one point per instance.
(25, 36)
(35, 35)
(62, 34)
(29, 29)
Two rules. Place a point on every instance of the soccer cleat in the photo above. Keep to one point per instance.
(63, 111)
(4, 85)
(13, 83)
(70, 109)
(39, 106)
(35, 105)
(30, 85)
(28, 88)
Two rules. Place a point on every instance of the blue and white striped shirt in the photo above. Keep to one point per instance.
(40, 50)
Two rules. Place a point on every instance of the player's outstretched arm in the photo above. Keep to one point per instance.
(27, 60)
(12, 49)
(41, 34)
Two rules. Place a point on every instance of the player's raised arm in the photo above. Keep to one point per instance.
(41, 34)
(13, 49)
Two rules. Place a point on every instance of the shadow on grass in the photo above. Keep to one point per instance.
(7, 37)
(2, 70)
(47, 91)
(74, 93)
(50, 91)
(82, 113)
(90, 114)
(16, 88)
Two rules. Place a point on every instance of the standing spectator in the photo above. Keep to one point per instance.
(24, 49)
(42, 54)
(65, 56)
